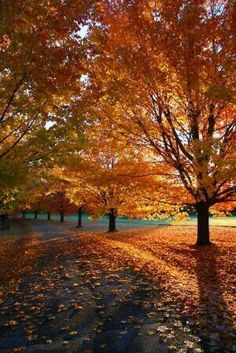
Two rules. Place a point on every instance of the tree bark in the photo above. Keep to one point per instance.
(62, 217)
(35, 214)
(23, 214)
(203, 234)
(49, 216)
(5, 221)
(79, 225)
(112, 220)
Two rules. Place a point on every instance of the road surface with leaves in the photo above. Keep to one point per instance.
(67, 291)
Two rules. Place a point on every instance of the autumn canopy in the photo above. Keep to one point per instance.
(128, 107)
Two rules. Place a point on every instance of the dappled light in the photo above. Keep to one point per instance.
(139, 285)
(117, 176)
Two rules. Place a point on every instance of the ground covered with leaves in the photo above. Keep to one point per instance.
(139, 290)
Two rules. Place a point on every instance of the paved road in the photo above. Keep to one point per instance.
(68, 303)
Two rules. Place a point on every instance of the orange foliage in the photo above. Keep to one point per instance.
(164, 76)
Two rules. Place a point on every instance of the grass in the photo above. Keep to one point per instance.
(221, 222)
(122, 221)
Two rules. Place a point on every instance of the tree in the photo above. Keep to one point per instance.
(164, 72)
(80, 212)
(40, 70)
(7, 204)
(57, 202)
(106, 179)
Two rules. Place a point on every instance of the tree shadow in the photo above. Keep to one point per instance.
(215, 324)
(212, 318)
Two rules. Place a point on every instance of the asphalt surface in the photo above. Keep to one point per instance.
(68, 303)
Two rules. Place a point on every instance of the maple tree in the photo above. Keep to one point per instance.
(137, 120)
(167, 87)
(164, 72)
(71, 180)
(29, 191)
(45, 200)
(7, 203)
(13, 175)
(57, 202)
(76, 196)
(105, 179)
(46, 205)
(40, 69)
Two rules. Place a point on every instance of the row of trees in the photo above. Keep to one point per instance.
(136, 117)
(54, 203)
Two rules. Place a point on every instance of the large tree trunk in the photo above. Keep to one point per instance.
(35, 214)
(5, 221)
(203, 235)
(62, 217)
(49, 216)
(79, 225)
(112, 220)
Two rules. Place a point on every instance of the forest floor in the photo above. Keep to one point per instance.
(143, 290)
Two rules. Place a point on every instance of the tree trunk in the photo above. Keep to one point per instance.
(5, 221)
(35, 214)
(49, 216)
(23, 214)
(112, 220)
(79, 225)
(62, 217)
(203, 235)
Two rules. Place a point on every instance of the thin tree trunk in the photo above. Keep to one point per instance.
(49, 216)
(23, 214)
(112, 220)
(35, 214)
(203, 234)
(5, 221)
(62, 217)
(79, 225)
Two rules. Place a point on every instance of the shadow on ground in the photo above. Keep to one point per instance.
(216, 325)
(68, 301)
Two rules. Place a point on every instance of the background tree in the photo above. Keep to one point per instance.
(57, 202)
(8, 202)
(106, 178)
